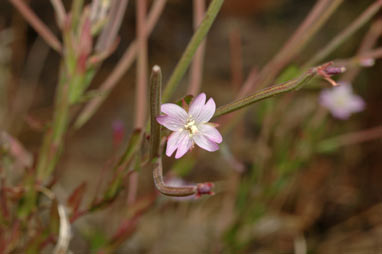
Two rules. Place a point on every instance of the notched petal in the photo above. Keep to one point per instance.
(205, 143)
(174, 111)
(170, 123)
(197, 105)
(210, 132)
(173, 142)
(207, 112)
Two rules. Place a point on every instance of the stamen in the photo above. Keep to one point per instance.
(191, 127)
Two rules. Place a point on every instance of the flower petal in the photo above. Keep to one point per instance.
(356, 104)
(207, 112)
(205, 143)
(326, 98)
(197, 105)
(170, 123)
(340, 113)
(175, 111)
(184, 146)
(174, 140)
(210, 132)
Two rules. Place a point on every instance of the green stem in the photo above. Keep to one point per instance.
(52, 142)
(193, 45)
(268, 92)
(76, 12)
(348, 32)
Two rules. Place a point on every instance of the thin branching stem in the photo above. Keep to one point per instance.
(110, 31)
(37, 24)
(196, 71)
(141, 84)
(345, 34)
(369, 41)
(317, 17)
(350, 139)
(60, 12)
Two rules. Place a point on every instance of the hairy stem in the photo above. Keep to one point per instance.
(155, 97)
(278, 89)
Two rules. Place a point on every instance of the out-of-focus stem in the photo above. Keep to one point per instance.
(305, 32)
(371, 37)
(367, 44)
(59, 9)
(52, 142)
(65, 233)
(23, 99)
(37, 24)
(122, 66)
(192, 46)
(141, 84)
(140, 88)
(110, 31)
(349, 31)
(376, 53)
(76, 12)
(350, 139)
(355, 60)
(196, 72)
(236, 58)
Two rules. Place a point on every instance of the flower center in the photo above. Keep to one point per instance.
(341, 101)
(191, 127)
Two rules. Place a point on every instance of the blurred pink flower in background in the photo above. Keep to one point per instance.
(367, 62)
(118, 127)
(190, 127)
(341, 101)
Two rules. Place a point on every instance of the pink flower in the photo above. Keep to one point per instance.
(190, 127)
(367, 62)
(341, 101)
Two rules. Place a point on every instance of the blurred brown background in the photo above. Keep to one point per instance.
(335, 199)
